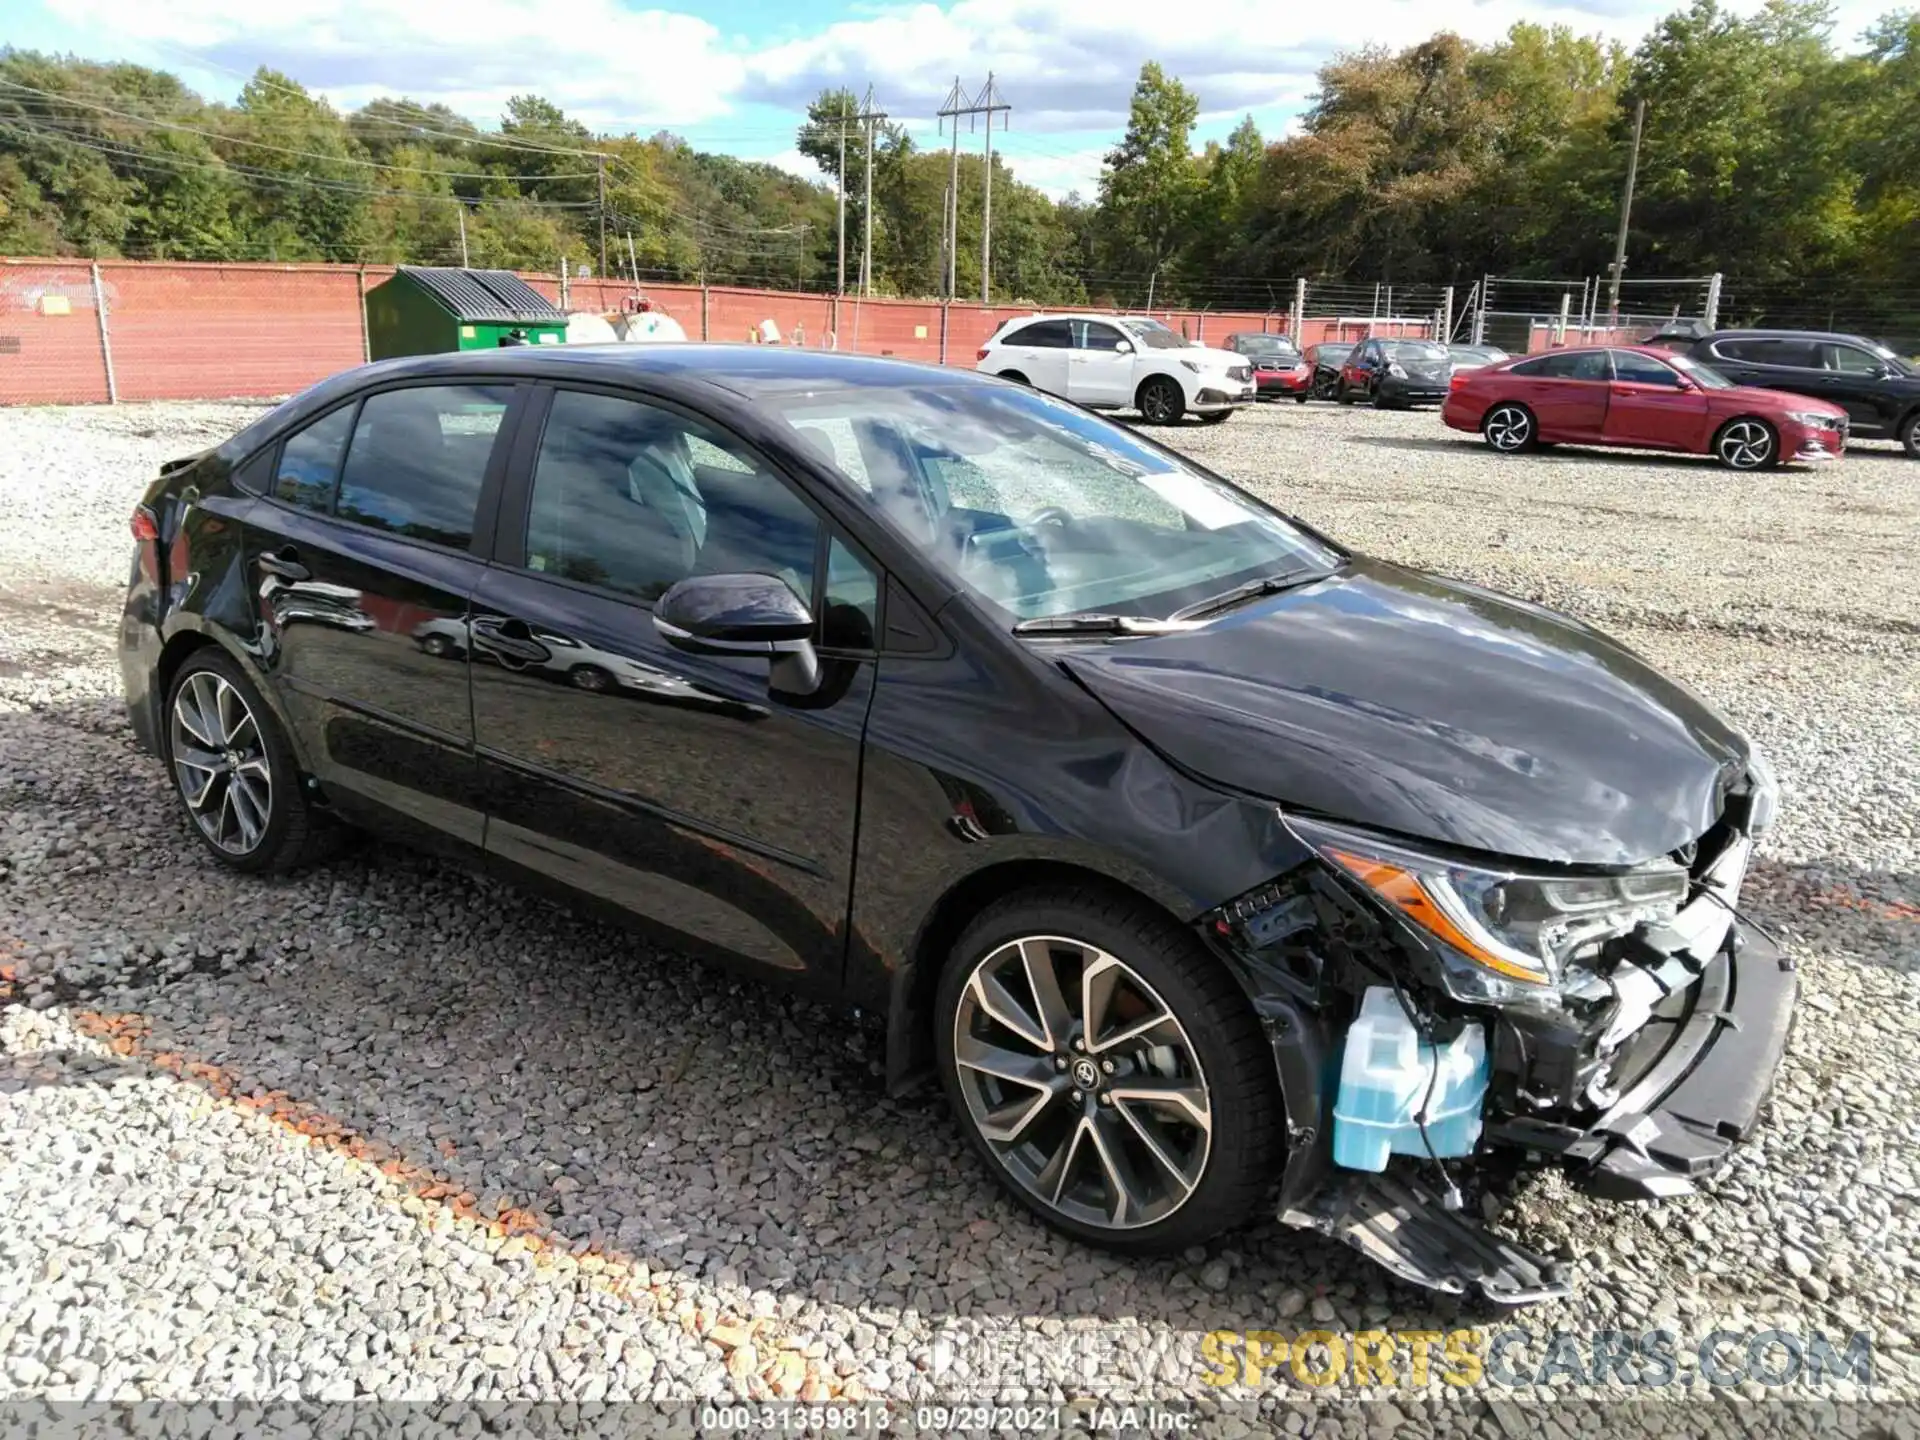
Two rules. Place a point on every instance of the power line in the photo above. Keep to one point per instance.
(276, 149)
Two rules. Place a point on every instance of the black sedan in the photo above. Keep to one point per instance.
(1205, 861)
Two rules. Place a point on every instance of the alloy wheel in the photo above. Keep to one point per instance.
(1509, 428)
(221, 760)
(1156, 404)
(1083, 1082)
(1746, 445)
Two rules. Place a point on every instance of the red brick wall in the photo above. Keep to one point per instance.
(179, 330)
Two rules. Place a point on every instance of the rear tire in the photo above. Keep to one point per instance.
(1509, 428)
(1160, 400)
(1061, 1103)
(1910, 435)
(1016, 377)
(1302, 397)
(1747, 442)
(235, 773)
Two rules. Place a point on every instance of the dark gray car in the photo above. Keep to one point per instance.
(1879, 391)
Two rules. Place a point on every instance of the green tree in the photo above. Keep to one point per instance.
(1148, 187)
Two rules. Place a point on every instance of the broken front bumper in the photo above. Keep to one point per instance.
(1699, 1072)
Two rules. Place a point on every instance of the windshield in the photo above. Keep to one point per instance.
(1153, 335)
(1415, 350)
(1478, 352)
(1041, 509)
(1705, 376)
(1264, 345)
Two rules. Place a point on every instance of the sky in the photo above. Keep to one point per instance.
(736, 76)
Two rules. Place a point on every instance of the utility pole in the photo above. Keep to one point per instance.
(602, 187)
(461, 210)
(1626, 209)
(840, 220)
(987, 103)
(869, 117)
(953, 109)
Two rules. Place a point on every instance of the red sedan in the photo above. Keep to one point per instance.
(1643, 398)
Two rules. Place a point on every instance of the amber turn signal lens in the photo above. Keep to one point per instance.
(1402, 890)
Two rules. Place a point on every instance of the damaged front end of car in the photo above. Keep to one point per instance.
(1432, 1011)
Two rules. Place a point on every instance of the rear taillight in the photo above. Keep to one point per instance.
(983, 352)
(146, 534)
(1458, 380)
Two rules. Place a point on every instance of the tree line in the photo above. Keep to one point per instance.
(1774, 151)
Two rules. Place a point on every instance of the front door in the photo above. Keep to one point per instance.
(1649, 404)
(679, 789)
(1852, 380)
(361, 561)
(1099, 372)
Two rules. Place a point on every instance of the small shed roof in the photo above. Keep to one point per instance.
(486, 297)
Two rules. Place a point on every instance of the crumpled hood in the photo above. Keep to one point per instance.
(1393, 699)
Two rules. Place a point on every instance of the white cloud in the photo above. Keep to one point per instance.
(1056, 173)
(1066, 65)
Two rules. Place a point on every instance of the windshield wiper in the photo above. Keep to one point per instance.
(1093, 624)
(1250, 590)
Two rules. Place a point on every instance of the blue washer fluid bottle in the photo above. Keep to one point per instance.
(1384, 1075)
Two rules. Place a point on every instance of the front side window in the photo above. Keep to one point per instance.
(1090, 335)
(418, 459)
(1852, 360)
(1041, 509)
(636, 498)
(310, 461)
(1638, 369)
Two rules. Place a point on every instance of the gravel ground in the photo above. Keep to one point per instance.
(382, 1129)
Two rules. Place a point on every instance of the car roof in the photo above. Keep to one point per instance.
(749, 371)
(1785, 335)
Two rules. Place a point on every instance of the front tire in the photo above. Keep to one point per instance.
(1747, 443)
(1509, 428)
(1910, 435)
(1108, 1070)
(235, 773)
(1161, 401)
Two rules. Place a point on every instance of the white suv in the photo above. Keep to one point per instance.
(1117, 362)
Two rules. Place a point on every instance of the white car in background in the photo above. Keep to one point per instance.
(1120, 362)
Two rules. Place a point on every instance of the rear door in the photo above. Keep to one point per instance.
(1649, 405)
(362, 556)
(1039, 351)
(676, 788)
(1565, 389)
(1099, 372)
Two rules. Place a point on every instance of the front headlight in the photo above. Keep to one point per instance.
(1507, 934)
(1397, 370)
(1811, 417)
(1766, 791)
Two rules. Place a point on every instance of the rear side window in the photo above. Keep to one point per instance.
(418, 458)
(1565, 365)
(1046, 334)
(1797, 354)
(310, 461)
(1637, 369)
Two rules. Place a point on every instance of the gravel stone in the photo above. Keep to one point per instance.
(385, 1129)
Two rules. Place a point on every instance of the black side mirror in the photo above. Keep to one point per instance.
(743, 615)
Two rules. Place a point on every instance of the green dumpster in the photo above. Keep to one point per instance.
(426, 310)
